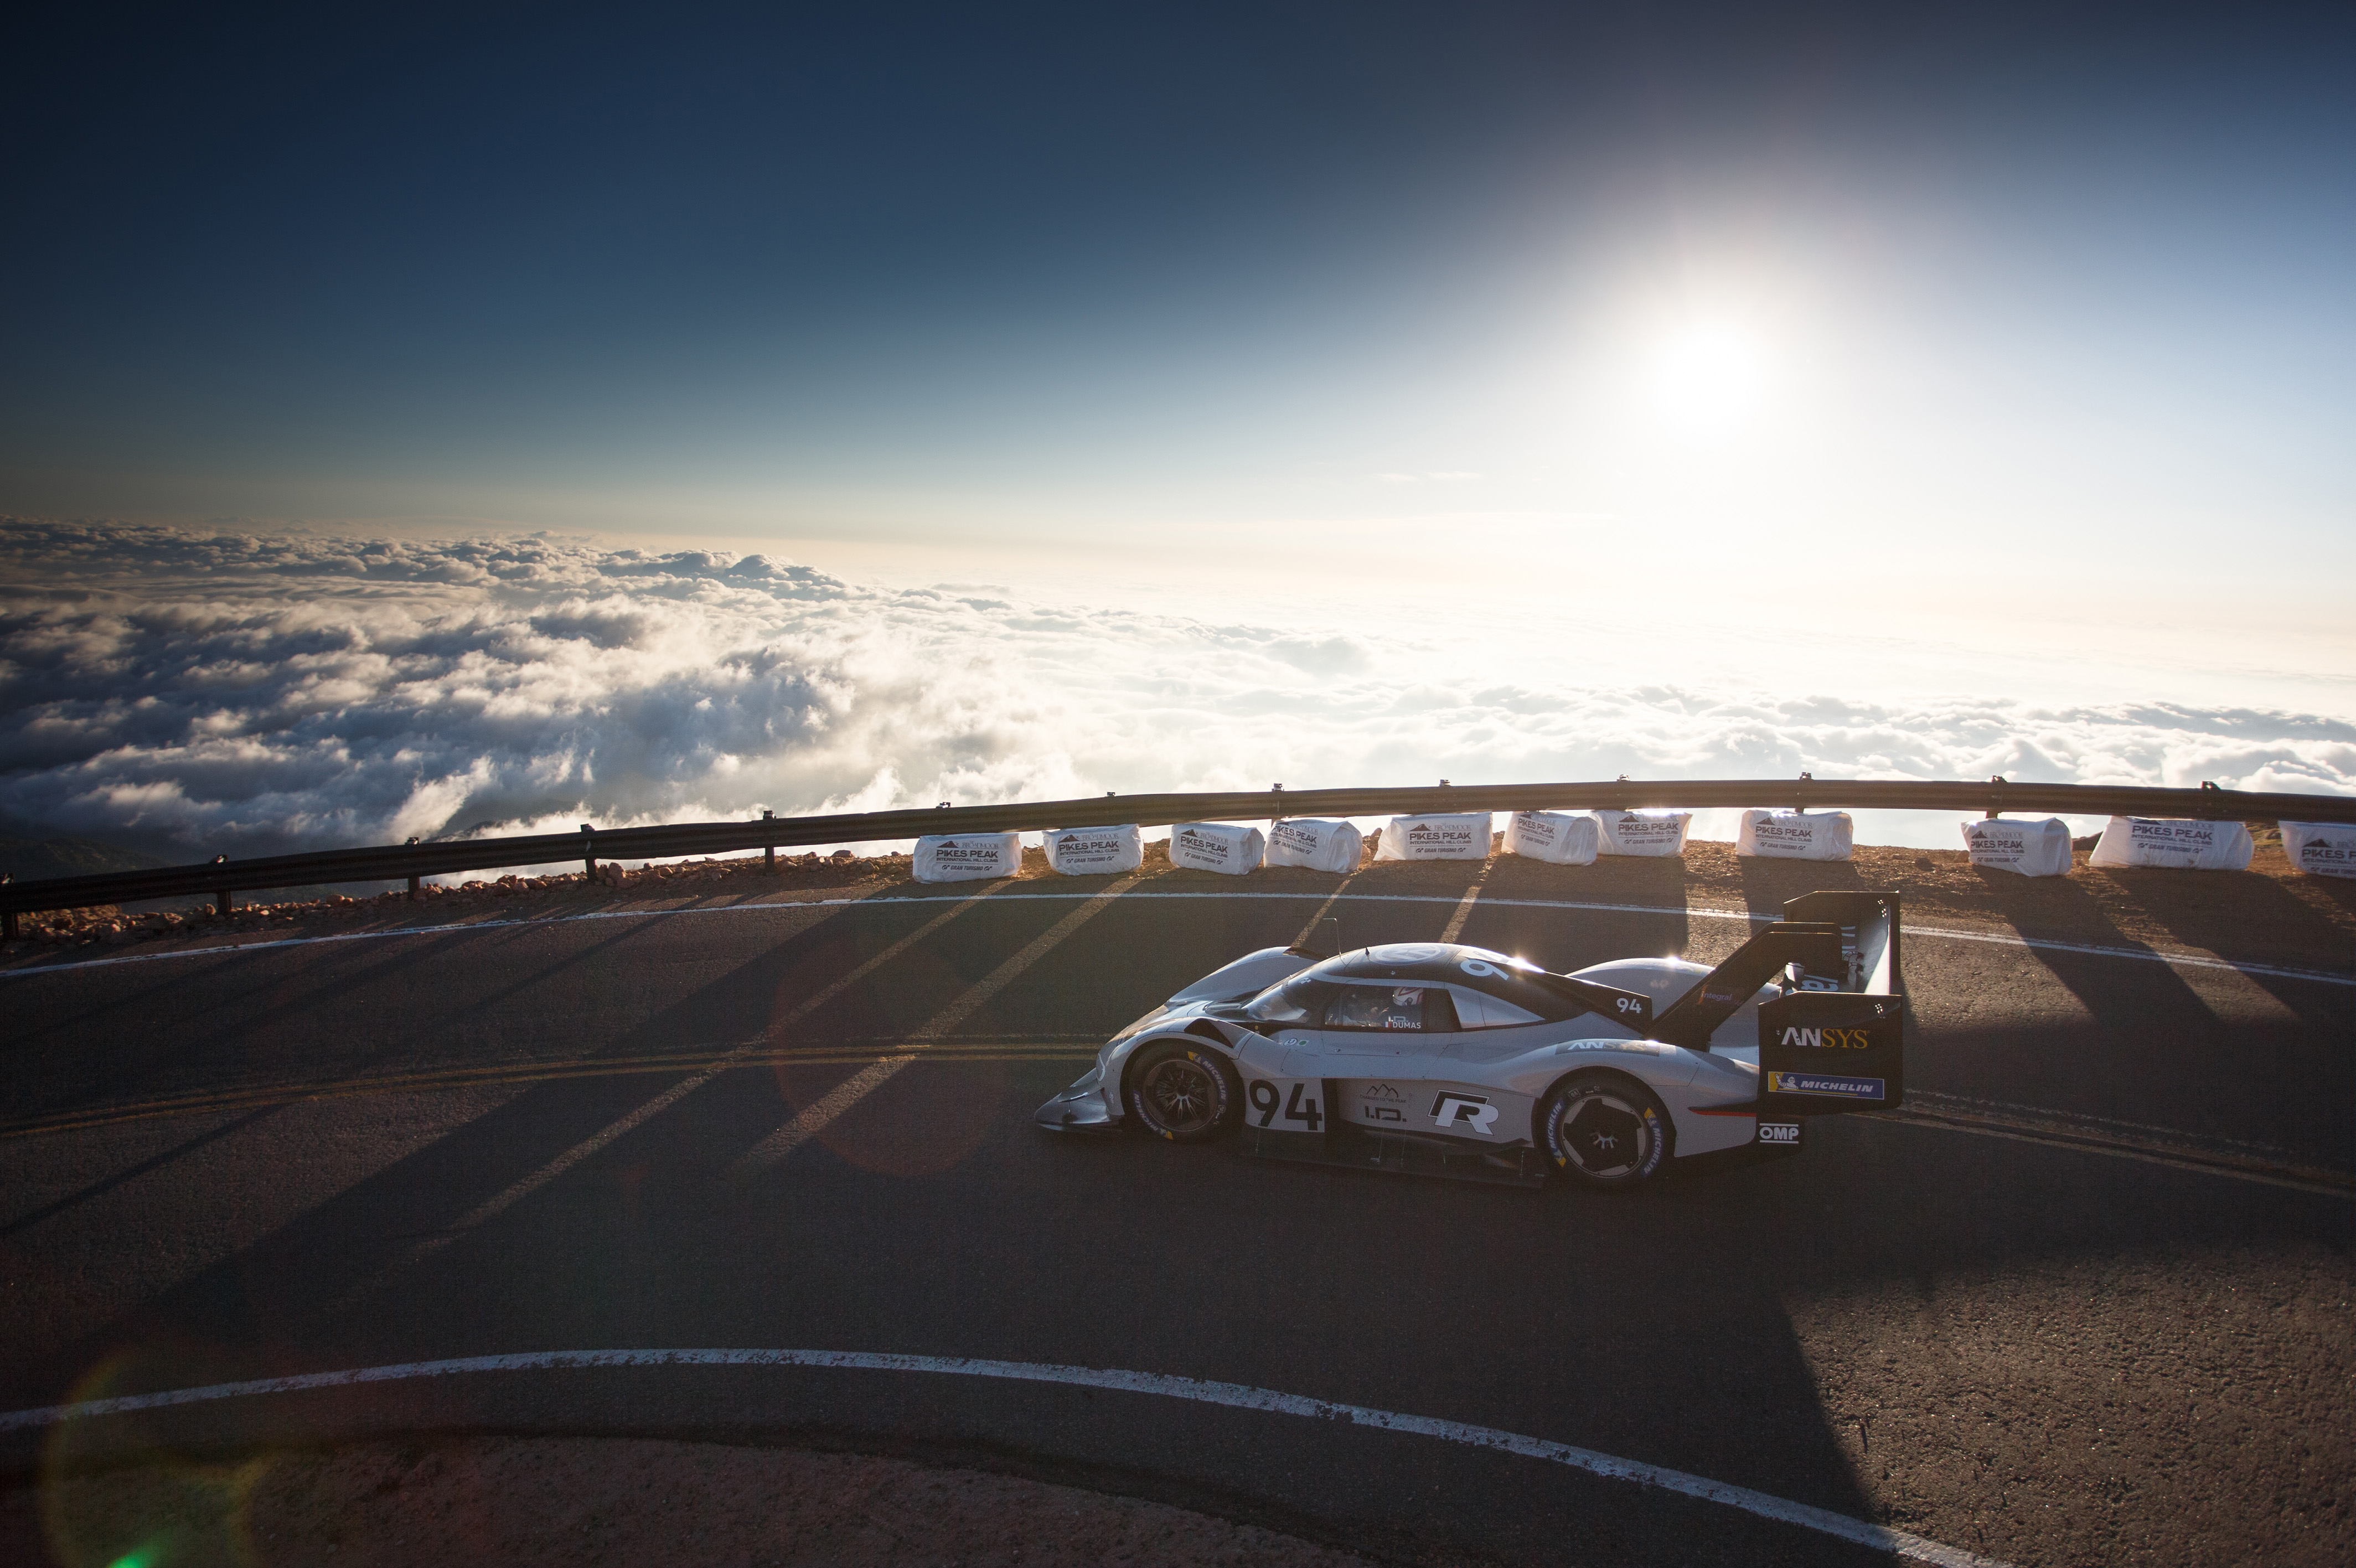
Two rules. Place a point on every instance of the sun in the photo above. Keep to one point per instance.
(1707, 377)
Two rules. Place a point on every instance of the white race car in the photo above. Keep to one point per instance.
(1434, 1058)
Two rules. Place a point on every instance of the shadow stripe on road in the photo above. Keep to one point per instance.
(1235, 1396)
(815, 1117)
(1946, 1113)
(1695, 911)
(1048, 1049)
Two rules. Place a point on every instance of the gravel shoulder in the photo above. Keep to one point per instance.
(579, 1502)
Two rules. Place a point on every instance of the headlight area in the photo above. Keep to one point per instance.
(1130, 1031)
(1135, 1026)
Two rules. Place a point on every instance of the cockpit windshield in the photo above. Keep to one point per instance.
(1297, 1000)
(1522, 984)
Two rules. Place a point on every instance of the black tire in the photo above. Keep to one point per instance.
(1185, 1094)
(1606, 1131)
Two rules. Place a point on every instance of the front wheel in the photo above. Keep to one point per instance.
(1605, 1131)
(1181, 1092)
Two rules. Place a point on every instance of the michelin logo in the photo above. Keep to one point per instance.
(1818, 1083)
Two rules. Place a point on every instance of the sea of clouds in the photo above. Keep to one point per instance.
(204, 690)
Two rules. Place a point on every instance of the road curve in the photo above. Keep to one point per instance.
(2112, 1252)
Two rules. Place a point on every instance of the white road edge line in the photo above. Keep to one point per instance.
(813, 1119)
(2139, 955)
(1236, 1396)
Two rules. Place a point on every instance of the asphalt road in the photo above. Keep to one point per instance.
(2097, 1312)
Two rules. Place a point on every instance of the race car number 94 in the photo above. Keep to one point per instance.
(1296, 1111)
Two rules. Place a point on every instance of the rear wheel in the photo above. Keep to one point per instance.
(1605, 1131)
(1182, 1093)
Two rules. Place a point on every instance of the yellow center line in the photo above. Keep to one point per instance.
(528, 1073)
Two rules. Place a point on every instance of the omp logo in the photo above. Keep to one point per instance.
(1779, 1132)
(1829, 1039)
(1465, 1110)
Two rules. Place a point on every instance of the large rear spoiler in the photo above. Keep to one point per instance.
(1835, 1040)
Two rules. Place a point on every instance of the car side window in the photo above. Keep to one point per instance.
(1476, 1009)
(1423, 1008)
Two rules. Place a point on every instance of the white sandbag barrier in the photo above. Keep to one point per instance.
(1321, 846)
(2322, 849)
(2031, 848)
(966, 856)
(1642, 832)
(1216, 846)
(1796, 834)
(1095, 851)
(2180, 843)
(1553, 837)
(1442, 836)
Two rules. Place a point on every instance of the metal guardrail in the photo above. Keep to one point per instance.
(393, 862)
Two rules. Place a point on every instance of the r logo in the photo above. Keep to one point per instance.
(1465, 1110)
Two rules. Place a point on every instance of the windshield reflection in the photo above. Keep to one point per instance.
(1297, 1000)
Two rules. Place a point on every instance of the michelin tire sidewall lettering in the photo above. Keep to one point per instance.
(1562, 1108)
(1222, 1077)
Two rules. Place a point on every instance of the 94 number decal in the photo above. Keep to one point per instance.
(1269, 1103)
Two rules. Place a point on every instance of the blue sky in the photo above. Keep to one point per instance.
(959, 274)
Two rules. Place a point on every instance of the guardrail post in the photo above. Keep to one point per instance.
(589, 852)
(222, 903)
(415, 894)
(8, 925)
(768, 851)
(1995, 810)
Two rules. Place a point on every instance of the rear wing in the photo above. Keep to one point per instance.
(1834, 1040)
